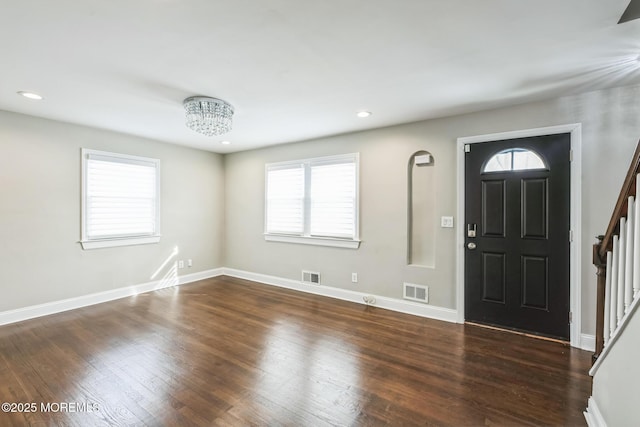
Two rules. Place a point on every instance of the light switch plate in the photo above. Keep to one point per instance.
(446, 222)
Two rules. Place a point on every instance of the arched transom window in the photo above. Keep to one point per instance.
(514, 159)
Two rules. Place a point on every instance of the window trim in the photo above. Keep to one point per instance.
(306, 238)
(313, 240)
(113, 241)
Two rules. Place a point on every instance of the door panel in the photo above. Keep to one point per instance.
(535, 214)
(535, 282)
(517, 274)
(494, 277)
(493, 203)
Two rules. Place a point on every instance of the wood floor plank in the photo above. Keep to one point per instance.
(231, 352)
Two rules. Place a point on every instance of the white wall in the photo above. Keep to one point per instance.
(40, 257)
(611, 129)
(213, 206)
(615, 384)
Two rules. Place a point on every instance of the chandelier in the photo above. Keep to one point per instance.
(208, 116)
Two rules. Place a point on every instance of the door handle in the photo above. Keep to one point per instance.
(471, 246)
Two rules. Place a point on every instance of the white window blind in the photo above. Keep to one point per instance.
(313, 199)
(333, 200)
(120, 199)
(285, 200)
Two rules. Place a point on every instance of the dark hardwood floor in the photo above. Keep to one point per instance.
(226, 351)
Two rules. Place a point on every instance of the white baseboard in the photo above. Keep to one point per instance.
(30, 312)
(588, 342)
(593, 415)
(402, 306)
(201, 275)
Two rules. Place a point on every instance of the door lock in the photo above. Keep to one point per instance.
(471, 230)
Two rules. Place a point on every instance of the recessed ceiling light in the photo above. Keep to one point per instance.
(363, 113)
(30, 95)
(225, 142)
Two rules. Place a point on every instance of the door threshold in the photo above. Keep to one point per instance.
(513, 331)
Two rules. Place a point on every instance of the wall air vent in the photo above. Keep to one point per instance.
(418, 293)
(310, 277)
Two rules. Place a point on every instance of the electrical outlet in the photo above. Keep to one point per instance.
(354, 277)
(181, 264)
(189, 263)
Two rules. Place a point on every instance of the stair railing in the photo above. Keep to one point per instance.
(617, 259)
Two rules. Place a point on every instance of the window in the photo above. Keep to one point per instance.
(514, 159)
(120, 200)
(313, 201)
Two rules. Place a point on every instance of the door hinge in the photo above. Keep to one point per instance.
(570, 317)
(467, 148)
(570, 236)
(571, 155)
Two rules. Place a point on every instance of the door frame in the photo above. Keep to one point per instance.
(575, 298)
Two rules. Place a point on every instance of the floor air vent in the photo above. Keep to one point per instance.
(310, 277)
(418, 293)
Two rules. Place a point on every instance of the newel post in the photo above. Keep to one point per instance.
(601, 266)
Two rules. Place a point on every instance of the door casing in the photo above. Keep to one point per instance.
(575, 130)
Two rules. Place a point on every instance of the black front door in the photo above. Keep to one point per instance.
(517, 209)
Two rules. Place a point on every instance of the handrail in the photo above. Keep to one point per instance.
(605, 244)
(620, 210)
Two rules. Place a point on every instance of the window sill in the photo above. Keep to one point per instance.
(315, 241)
(110, 243)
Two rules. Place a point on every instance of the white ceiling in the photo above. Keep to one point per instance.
(296, 69)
